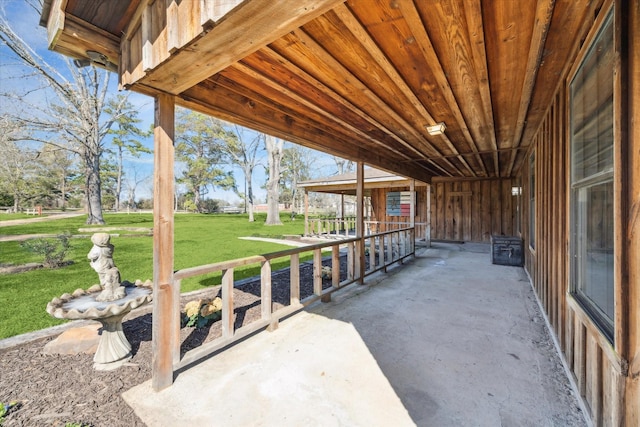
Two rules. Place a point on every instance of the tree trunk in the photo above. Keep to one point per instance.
(92, 188)
(196, 197)
(274, 157)
(116, 206)
(248, 202)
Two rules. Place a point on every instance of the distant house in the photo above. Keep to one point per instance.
(383, 208)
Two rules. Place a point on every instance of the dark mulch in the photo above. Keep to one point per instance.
(56, 389)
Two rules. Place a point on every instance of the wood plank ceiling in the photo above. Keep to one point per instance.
(364, 78)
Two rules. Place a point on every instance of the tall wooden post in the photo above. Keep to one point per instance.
(306, 212)
(360, 259)
(412, 214)
(166, 295)
(427, 228)
(342, 221)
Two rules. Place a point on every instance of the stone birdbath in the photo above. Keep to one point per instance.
(108, 302)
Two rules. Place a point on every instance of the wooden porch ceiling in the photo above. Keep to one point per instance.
(360, 79)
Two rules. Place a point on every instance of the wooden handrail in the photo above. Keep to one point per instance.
(394, 246)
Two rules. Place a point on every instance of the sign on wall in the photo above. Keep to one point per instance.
(399, 203)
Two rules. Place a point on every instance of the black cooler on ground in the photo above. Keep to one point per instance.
(506, 250)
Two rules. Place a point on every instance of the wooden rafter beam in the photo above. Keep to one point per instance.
(357, 90)
(287, 92)
(476, 33)
(319, 90)
(226, 104)
(544, 12)
(250, 26)
(417, 28)
(374, 50)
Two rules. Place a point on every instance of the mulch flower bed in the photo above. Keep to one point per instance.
(53, 390)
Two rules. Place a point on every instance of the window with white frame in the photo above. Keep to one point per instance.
(591, 138)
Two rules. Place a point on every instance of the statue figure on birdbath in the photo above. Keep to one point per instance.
(101, 260)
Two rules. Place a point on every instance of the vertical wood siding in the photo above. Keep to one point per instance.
(607, 375)
(472, 211)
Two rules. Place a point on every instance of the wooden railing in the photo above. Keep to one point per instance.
(337, 227)
(332, 226)
(380, 251)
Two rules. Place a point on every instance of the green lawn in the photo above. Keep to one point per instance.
(199, 239)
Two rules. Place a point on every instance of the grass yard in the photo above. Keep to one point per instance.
(199, 239)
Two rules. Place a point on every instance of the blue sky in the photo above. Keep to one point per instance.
(25, 21)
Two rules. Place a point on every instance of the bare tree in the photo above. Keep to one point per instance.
(132, 184)
(71, 109)
(343, 165)
(17, 167)
(243, 151)
(297, 164)
(126, 135)
(274, 158)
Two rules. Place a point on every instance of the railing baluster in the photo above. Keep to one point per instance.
(335, 266)
(227, 303)
(317, 271)
(350, 261)
(390, 249)
(294, 279)
(265, 291)
(372, 253)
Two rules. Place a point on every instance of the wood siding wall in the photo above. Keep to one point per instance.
(607, 374)
(472, 211)
(379, 208)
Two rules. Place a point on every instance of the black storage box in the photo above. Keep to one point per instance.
(506, 250)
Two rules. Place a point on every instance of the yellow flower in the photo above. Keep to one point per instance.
(192, 307)
(211, 307)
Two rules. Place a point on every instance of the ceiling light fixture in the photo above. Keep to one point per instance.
(96, 58)
(437, 129)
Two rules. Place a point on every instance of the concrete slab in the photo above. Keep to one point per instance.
(312, 371)
(448, 339)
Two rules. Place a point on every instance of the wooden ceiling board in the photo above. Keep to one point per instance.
(397, 43)
(283, 99)
(259, 113)
(301, 50)
(507, 44)
(445, 22)
(568, 17)
(320, 108)
(361, 78)
(104, 13)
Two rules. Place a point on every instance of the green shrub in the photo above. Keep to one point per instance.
(53, 251)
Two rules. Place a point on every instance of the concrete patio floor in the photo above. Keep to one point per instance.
(448, 339)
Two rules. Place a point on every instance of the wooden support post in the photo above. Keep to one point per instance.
(306, 212)
(346, 228)
(227, 303)
(166, 295)
(360, 258)
(412, 212)
(427, 227)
